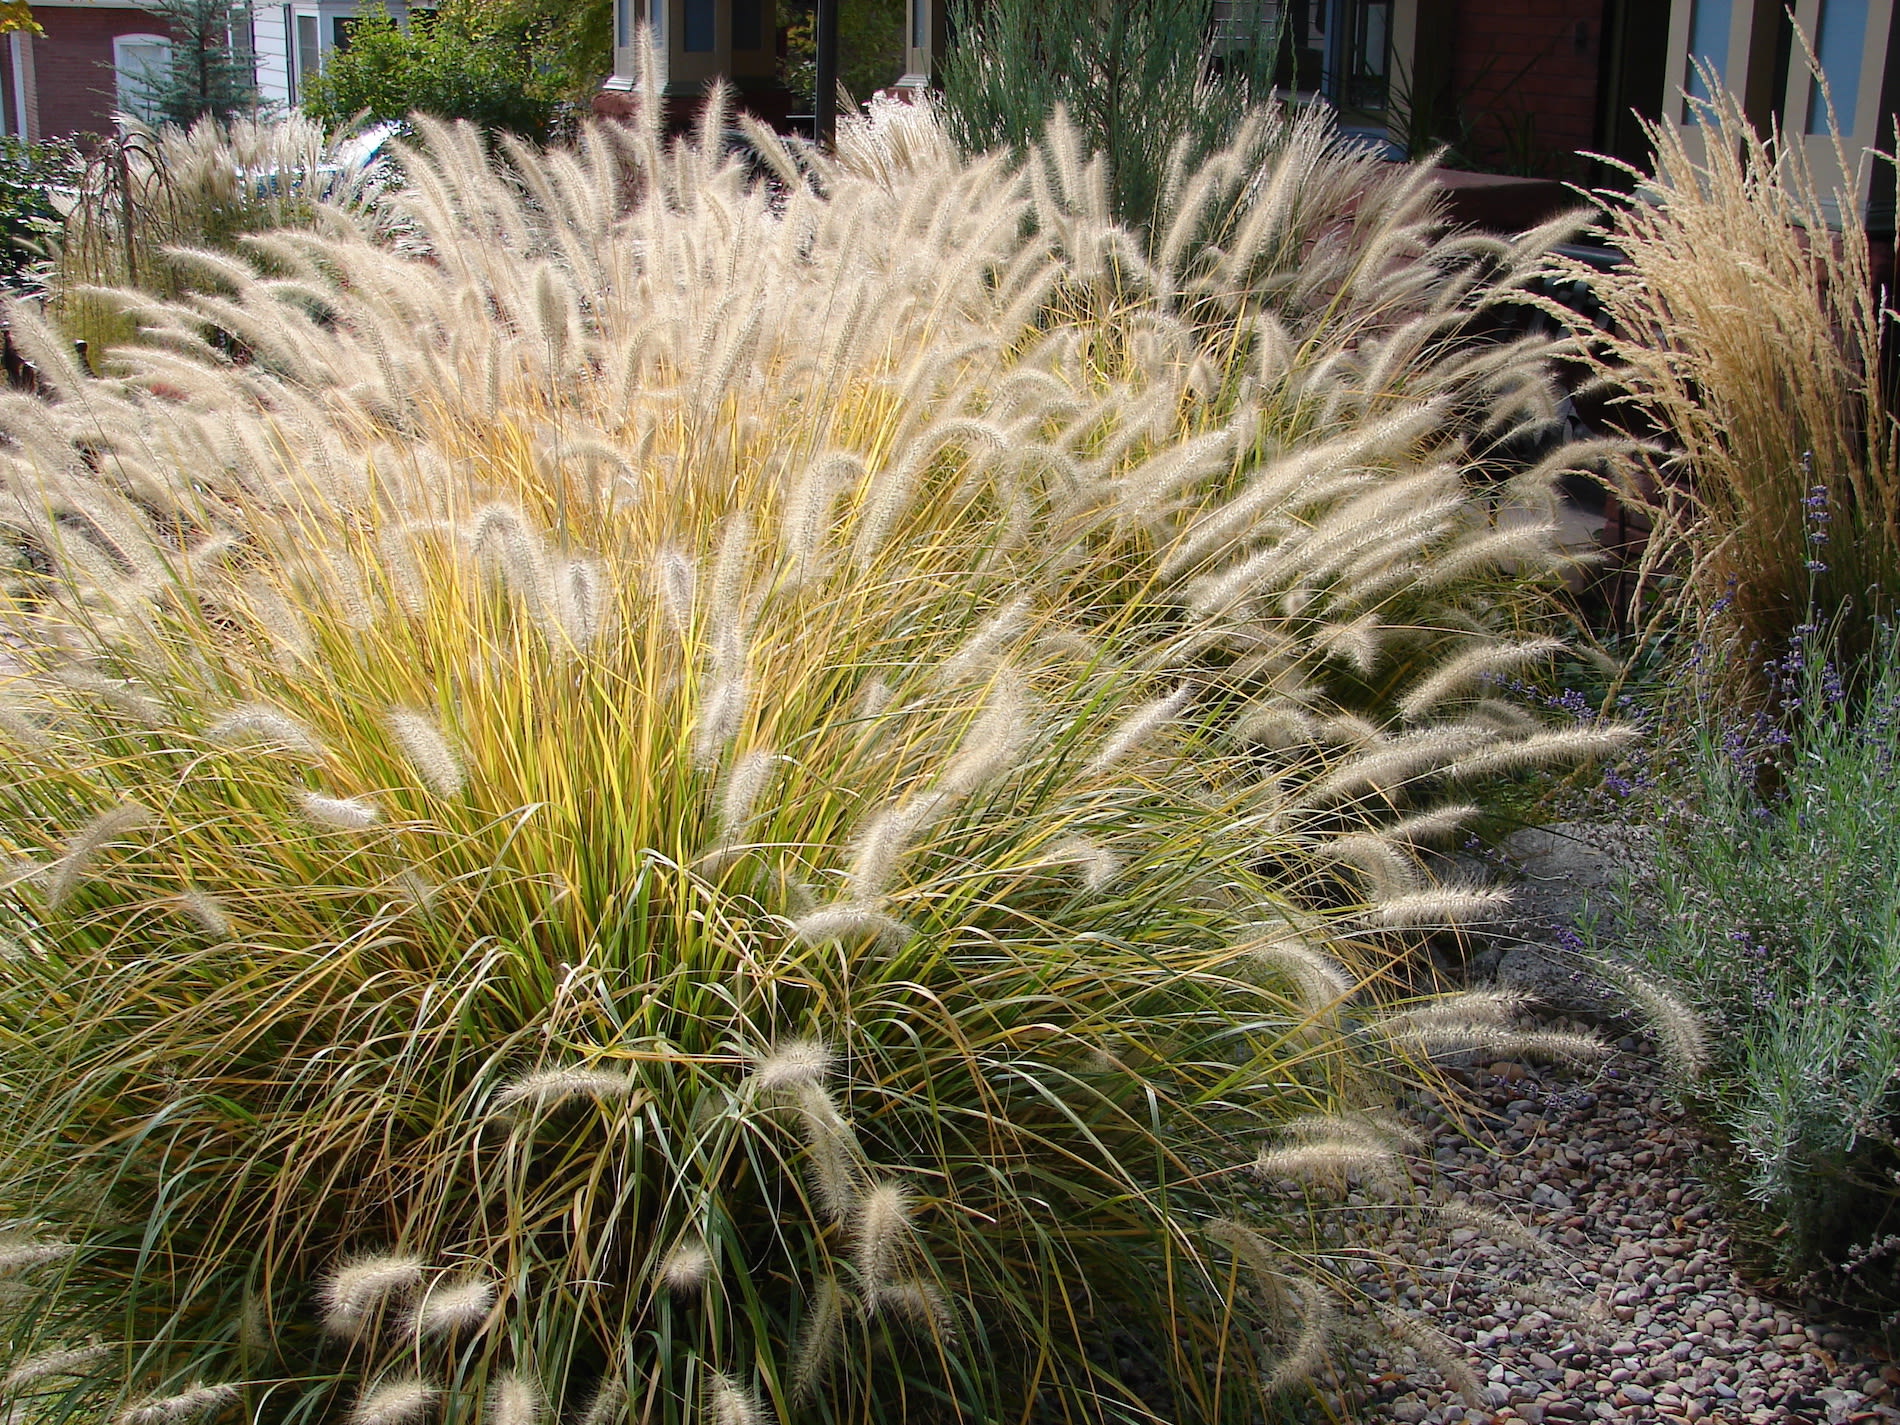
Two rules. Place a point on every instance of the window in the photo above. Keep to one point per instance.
(1338, 49)
(307, 60)
(699, 33)
(1709, 22)
(140, 64)
(748, 25)
(12, 100)
(1838, 48)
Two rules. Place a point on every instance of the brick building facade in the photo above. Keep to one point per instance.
(69, 81)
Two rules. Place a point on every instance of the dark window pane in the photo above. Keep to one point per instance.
(309, 60)
(699, 27)
(748, 24)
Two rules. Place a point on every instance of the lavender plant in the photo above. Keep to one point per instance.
(1779, 908)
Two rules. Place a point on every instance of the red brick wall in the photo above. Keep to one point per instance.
(72, 65)
(1525, 76)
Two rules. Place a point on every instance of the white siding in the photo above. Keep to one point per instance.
(274, 85)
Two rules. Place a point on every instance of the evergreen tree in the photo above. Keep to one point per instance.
(1136, 76)
(213, 71)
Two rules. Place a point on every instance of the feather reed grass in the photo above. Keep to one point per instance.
(1747, 327)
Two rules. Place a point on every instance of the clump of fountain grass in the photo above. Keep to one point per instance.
(579, 852)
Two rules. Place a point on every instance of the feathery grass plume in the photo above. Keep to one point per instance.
(1482, 1020)
(505, 540)
(1384, 1132)
(1358, 641)
(1505, 717)
(208, 911)
(1138, 727)
(1261, 1258)
(428, 752)
(338, 813)
(109, 828)
(1351, 730)
(401, 1401)
(880, 1230)
(1426, 827)
(729, 1403)
(1393, 765)
(745, 782)
(832, 1160)
(792, 1065)
(417, 890)
(1098, 865)
(20, 728)
(120, 693)
(850, 924)
(1391, 872)
(720, 714)
(727, 594)
(19, 1255)
(1678, 1029)
(1307, 1355)
(881, 846)
(687, 1267)
(1545, 749)
(1558, 1045)
(1327, 1163)
(583, 601)
(1321, 982)
(609, 1403)
(451, 1306)
(806, 521)
(1496, 1225)
(995, 741)
(18, 870)
(71, 1361)
(1442, 906)
(1494, 548)
(1475, 666)
(547, 1089)
(1493, 1006)
(981, 649)
(1436, 1349)
(353, 1294)
(919, 1302)
(516, 1399)
(197, 1402)
(676, 581)
(820, 1335)
(1278, 728)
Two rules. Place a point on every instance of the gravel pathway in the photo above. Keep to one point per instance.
(1599, 1166)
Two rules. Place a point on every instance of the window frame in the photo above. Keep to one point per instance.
(122, 77)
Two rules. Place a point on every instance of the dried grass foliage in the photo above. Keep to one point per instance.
(1746, 328)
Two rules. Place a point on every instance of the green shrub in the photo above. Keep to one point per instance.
(1137, 79)
(1778, 908)
(686, 778)
(32, 177)
(462, 61)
